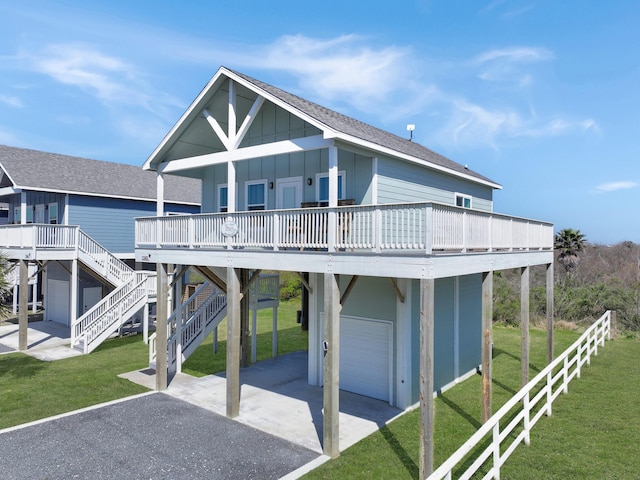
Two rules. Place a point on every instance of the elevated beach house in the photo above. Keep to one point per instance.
(394, 243)
(70, 233)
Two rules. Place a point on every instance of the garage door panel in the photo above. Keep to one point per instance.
(366, 357)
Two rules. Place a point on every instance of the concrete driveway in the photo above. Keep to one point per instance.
(153, 436)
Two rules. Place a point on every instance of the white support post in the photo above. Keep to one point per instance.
(159, 195)
(333, 198)
(74, 291)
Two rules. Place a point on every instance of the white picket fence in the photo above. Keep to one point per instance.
(533, 401)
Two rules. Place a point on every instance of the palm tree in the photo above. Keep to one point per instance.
(569, 243)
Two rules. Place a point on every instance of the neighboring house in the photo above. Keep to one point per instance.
(396, 244)
(72, 220)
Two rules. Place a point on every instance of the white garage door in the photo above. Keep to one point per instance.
(366, 350)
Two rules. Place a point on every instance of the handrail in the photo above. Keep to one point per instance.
(415, 227)
(109, 312)
(536, 400)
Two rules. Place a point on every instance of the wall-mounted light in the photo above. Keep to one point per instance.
(271, 185)
(309, 181)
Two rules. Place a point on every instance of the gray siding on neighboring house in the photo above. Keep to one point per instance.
(110, 221)
(400, 182)
(38, 198)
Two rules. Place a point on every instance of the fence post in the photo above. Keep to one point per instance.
(549, 392)
(565, 375)
(613, 326)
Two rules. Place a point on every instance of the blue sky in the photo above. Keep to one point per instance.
(542, 97)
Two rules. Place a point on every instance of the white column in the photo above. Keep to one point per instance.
(159, 195)
(333, 197)
(74, 290)
(23, 207)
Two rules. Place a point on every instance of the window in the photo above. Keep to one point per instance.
(322, 182)
(223, 198)
(463, 201)
(53, 213)
(256, 194)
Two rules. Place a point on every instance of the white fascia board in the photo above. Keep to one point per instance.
(375, 148)
(276, 148)
(193, 110)
(93, 194)
(329, 133)
(9, 191)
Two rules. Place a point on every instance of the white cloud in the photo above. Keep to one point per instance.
(113, 81)
(508, 64)
(11, 101)
(615, 186)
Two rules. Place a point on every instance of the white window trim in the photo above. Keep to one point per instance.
(341, 173)
(220, 186)
(49, 213)
(463, 196)
(247, 184)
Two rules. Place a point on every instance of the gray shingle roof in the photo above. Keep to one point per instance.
(35, 170)
(355, 128)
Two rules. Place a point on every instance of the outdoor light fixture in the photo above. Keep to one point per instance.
(271, 185)
(309, 181)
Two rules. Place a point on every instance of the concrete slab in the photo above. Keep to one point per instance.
(276, 398)
(46, 341)
(150, 436)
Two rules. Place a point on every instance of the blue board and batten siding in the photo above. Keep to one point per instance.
(457, 330)
(400, 182)
(111, 221)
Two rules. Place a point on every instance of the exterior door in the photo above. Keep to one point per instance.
(58, 301)
(39, 214)
(288, 192)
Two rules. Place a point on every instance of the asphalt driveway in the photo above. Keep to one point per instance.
(150, 437)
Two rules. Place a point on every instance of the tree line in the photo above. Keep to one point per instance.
(589, 279)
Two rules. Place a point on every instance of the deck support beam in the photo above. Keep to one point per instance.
(524, 324)
(233, 341)
(550, 312)
(427, 317)
(487, 343)
(161, 326)
(331, 388)
(23, 311)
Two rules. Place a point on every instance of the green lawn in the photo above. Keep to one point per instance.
(291, 338)
(31, 389)
(590, 435)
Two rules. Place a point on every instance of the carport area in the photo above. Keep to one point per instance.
(46, 341)
(276, 398)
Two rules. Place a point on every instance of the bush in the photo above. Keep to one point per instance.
(290, 286)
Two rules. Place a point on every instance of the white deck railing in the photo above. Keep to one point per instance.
(417, 227)
(532, 402)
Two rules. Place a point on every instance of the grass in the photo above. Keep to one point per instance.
(590, 435)
(31, 389)
(291, 338)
